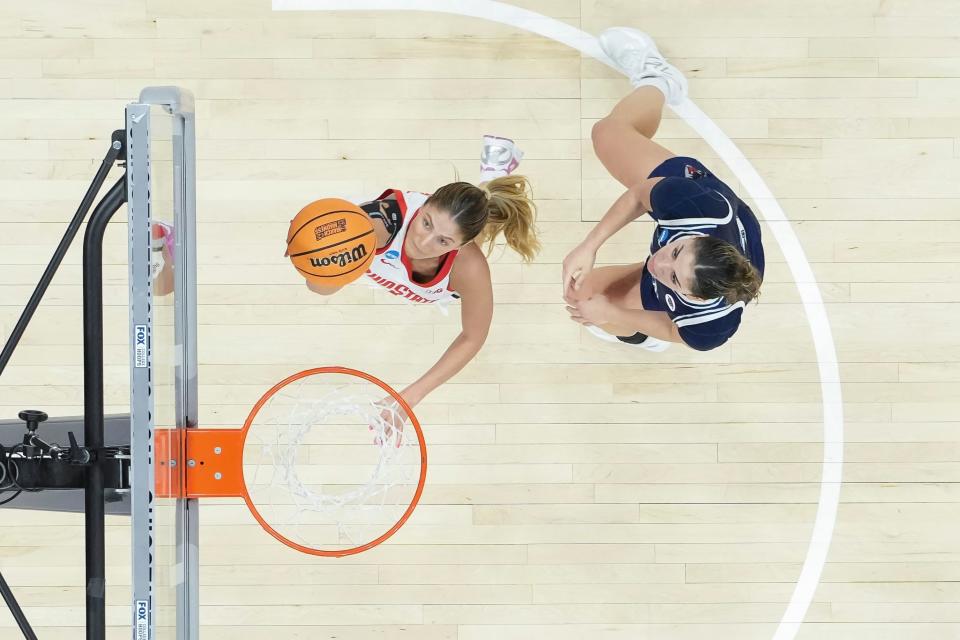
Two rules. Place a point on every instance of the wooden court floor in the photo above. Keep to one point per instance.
(577, 490)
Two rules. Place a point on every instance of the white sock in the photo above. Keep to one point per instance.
(652, 81)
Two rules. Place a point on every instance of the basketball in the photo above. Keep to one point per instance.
(331, 242)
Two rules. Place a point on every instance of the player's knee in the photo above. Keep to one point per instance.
(603, 134)
(588, 288)
(599, 133)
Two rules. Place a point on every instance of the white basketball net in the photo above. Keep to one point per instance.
(326, 465)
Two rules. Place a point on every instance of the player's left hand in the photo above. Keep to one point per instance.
(595, 310)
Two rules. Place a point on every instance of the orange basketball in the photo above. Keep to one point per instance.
(331, 242)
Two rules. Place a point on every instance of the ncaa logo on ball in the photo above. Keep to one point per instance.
(671, 304)
(329, 229)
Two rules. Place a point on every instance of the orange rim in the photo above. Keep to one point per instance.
(423, 461)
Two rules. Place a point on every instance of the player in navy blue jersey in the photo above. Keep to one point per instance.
(706, 257)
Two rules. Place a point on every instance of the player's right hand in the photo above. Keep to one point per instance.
(576, 266)
(390, 427)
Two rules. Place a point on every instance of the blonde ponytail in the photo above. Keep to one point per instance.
(510, 211)
(502, 205)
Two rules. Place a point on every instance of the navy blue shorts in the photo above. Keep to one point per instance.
(677, 167)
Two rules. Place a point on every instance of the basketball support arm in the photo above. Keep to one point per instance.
(114, 153)
(93, 411)
(91, 457)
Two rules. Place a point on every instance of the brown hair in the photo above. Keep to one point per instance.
(720, 270)
(502, 205)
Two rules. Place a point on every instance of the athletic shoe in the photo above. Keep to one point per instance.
(649, 343)
(499, 157)
(161, 237)
(636, 54)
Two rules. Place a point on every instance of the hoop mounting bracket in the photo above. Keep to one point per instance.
(199, 463)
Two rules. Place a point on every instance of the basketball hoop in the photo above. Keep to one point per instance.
(324, 462)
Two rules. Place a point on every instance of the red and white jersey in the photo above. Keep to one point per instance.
(392, 269)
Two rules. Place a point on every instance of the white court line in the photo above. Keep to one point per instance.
(771, 213)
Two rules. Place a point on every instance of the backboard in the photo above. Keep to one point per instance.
(163, 369)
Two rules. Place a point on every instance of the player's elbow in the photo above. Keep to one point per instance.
(474, 337)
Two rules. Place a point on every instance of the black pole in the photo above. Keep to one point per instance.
(93, 404)
(16, 610)
(116, 148)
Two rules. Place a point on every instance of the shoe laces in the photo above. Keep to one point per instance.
(656, 65)
(632, 58)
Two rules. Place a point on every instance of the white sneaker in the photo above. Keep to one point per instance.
(499, 157)
(650, 343)
(162, 237)
(637, 55)
(600, 333)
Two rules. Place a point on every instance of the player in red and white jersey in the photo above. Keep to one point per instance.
(393, 267)
(429, 250)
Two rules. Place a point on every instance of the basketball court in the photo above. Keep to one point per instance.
(799, 482)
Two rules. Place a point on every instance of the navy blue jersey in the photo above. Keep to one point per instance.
(690, 201)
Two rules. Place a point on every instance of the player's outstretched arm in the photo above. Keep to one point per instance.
(471, 279)
(632, 204)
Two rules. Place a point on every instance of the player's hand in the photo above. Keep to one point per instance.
(392, 420)
(596, 310)
(576, 266)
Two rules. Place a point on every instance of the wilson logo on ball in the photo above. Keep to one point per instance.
(341, 259)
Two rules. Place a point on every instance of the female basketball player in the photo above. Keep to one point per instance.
(429, 250)
(706, 258)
